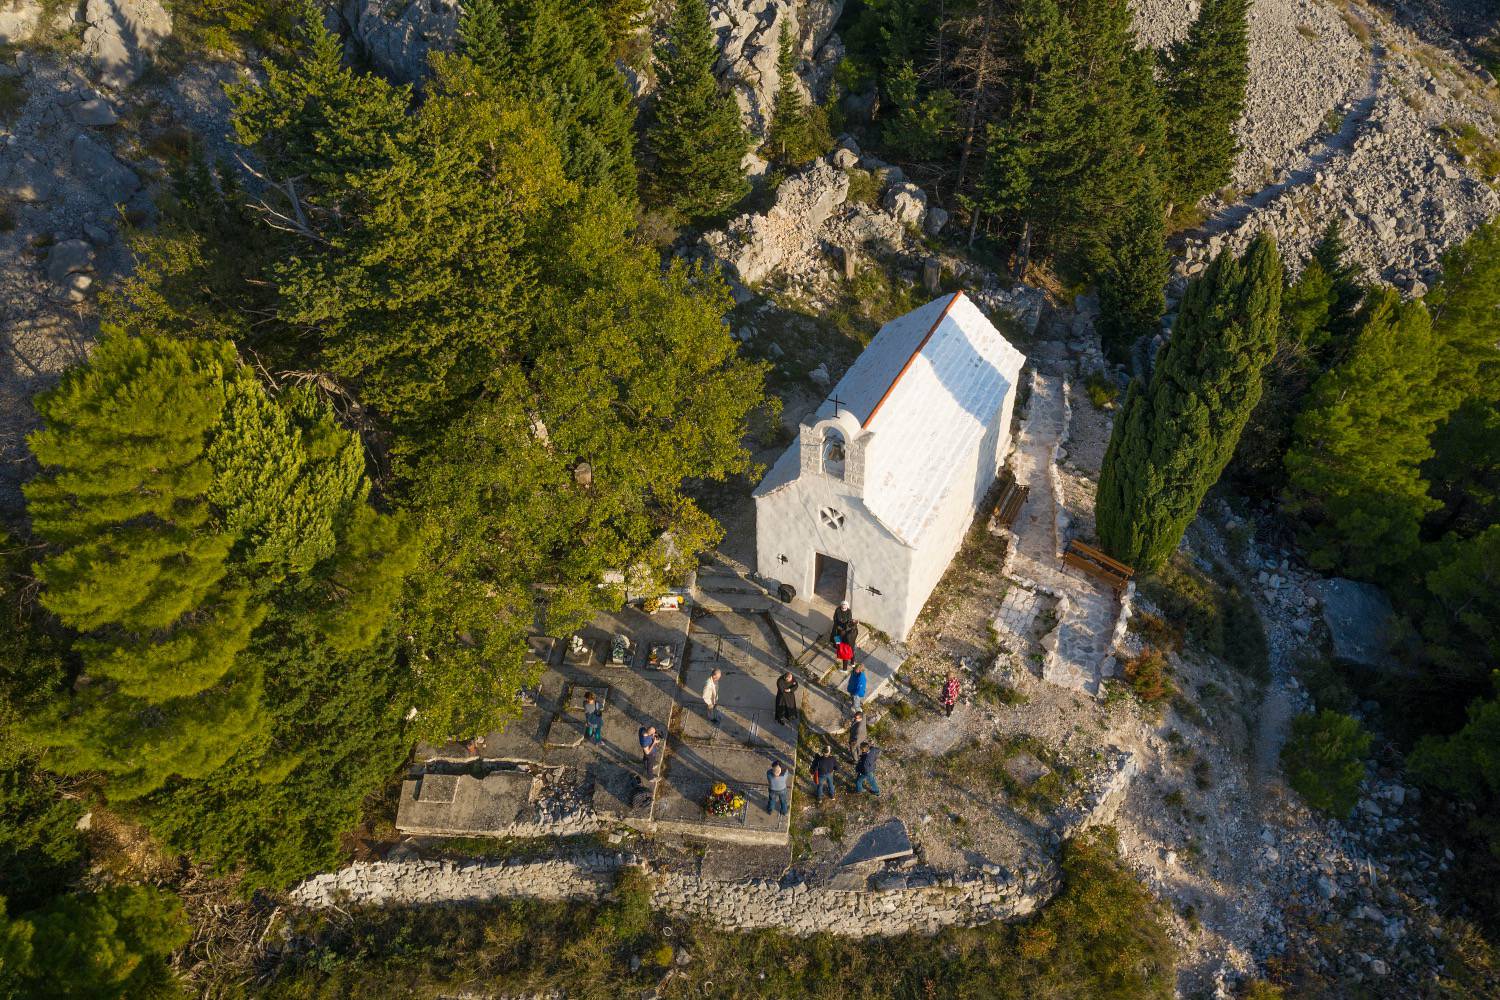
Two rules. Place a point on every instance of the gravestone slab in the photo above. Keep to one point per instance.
(496, 804)
(541, 650)
(436, 787)
(882, 843)
(1025, 769)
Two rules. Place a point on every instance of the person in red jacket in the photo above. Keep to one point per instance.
(950, 694)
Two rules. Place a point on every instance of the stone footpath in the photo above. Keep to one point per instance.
(1087, 620)
(901, 903)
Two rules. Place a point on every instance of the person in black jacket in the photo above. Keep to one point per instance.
(824, 766)
(786, 699)
(845, 628)
(864, 771)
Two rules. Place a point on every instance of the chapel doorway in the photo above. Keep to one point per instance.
(830, 579)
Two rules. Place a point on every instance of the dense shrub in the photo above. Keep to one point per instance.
(1216, 614)
(1324, 760)
(1147, 675)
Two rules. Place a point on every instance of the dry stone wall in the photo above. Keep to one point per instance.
(900, 903)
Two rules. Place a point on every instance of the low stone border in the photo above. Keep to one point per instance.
(900, 903)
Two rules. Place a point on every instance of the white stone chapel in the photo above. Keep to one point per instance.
(873, 499)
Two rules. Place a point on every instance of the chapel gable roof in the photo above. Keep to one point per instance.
(928, 388)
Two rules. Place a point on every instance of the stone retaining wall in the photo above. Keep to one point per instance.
(900, 903)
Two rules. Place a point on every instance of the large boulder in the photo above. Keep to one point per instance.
(908, 203)
(752, 246)
(121, 38)
(68, 257)
(96, 167)
(397, 35)
(1358, 616)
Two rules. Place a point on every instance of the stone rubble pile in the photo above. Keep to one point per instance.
(900, 902)
(1304, 62)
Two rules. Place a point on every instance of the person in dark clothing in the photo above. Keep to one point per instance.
(650, 750)
(864, 771)
(786, 699)
(593, 719)
(859, 731)
(845, 628)
(824, 767)
(778, 781)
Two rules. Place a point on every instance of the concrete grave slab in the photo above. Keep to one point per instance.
(690, 774)
(495, 804)
(436, 787)
(881, 843)
(623, 794)
(1026, 769)
(542, 650)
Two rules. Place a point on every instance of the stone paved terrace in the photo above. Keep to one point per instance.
(539, 776)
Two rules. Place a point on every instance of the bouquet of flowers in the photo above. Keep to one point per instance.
(722, 802)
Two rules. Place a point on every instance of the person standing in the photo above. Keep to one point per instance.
(857, 686)
(778, 781)
(824, 767)
(844, 629)
(859, 731)
(711, 695)
(593, 719)
(950, 694)
(845, 653)
(786, 699)
(864, 771)
(650, 750)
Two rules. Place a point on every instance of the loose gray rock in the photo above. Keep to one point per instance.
(96, 166)
(67, 257)
(95, 111)
(937, 219)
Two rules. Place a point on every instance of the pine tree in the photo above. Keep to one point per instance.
(422, 280)
(1119, 138)
(1465, 308)
(556, 54)
(1204, 77)
(799, 129)
(137, 568)
(1464, 472)
(1132, 286)
(1175, 435)
(1353, 471)
(696, 135)
(113, 943)
(1032, 154)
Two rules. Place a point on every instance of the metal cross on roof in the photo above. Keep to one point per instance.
(836, 404)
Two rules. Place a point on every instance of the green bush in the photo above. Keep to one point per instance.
(1324, 760)
(1103, 391)
(1215, 614)
(864, 187)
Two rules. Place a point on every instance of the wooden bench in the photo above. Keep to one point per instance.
(1096, 563)
(1012, 498)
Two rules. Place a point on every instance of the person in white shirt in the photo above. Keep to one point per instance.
(711, 696)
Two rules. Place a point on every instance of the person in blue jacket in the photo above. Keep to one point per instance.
(857, 685)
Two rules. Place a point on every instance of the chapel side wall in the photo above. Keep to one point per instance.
(787, 523)
(945, 535)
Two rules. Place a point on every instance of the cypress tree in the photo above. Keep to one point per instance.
(799, 128)
(1204, 77)
(1354, 469)
(696, 135)
(1176, 434)
(556, 54)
